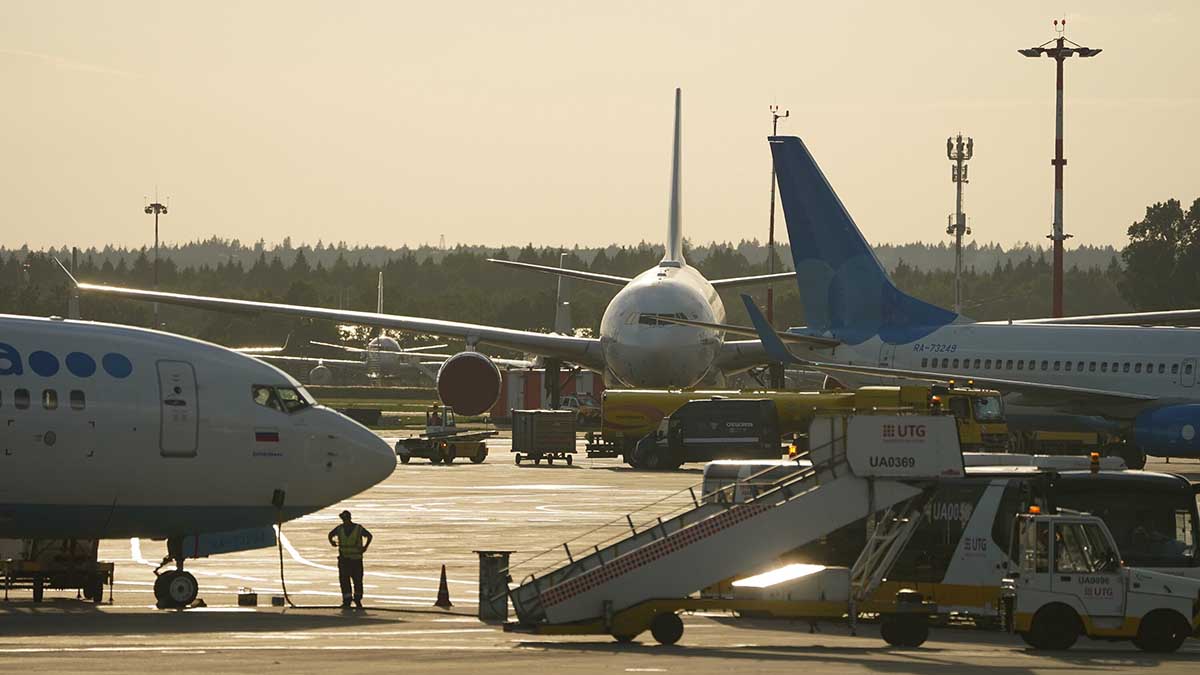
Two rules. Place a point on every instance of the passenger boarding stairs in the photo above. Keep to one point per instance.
(746, 524)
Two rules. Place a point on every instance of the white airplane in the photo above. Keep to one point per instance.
(110, 432)
(635, 347)
(382, 358)
(1142, 379)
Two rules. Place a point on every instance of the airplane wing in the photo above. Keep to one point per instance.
(583, 351)
(360, 350)
(1164, 317)
(813, 341)
(309, 359)
(565, 272)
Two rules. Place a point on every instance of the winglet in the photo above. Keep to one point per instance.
(67, 272)
(775, 348)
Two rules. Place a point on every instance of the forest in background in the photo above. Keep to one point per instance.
(459, 284)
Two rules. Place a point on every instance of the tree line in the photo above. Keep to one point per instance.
(1158, 269)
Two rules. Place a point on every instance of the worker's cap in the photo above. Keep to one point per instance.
(344, 514)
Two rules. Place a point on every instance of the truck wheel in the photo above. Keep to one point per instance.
(904, 631)
(39, 589)
(667, 628)
(1054, 627)
(1162, 632)
(518, 459)
(405, 459)
(624, 639)
(94, 590)
(478, 457)
(568, 460)
(435, 458)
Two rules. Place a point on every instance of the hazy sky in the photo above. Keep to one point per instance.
(506, 122)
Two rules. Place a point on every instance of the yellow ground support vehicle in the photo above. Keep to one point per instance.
(628, 415)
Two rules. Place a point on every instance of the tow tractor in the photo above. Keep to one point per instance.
(443, 441)
(1069, 581)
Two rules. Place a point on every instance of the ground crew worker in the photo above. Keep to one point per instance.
(351, 547)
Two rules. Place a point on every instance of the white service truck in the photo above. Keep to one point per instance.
(1069, 580)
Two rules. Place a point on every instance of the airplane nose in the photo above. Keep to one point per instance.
(374, 457)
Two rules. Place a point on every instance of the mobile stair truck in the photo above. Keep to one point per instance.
(632, 575)
(1069, 580)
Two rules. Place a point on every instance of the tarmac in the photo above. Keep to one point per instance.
(425, 516)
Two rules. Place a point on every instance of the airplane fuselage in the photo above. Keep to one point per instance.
(640, 351)
(110, 431)
(1157, 362)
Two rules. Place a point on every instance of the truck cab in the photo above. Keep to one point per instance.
(1068, 579)
(711, 429)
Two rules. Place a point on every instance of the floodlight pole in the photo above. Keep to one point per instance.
(775, 370)
(958, 152)
(1059, 52)
(157, 209)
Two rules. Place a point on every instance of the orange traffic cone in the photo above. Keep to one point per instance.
(443, 599)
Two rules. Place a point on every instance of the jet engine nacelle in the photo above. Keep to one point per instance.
(1169, 431)
(469, 383)
(320, 375)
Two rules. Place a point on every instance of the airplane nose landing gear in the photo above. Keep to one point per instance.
(174, 589)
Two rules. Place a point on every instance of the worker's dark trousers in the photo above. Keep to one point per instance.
(348, 571)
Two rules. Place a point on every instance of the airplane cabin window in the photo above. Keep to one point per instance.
(925, 362)
(1104, 366)
(1045, 365)
(1020, 365)
(1008, 365)
(1137, 367)
(945, 363)
(1174, 368)
(987, 363)
(1032, 364)
(954, 363)
(1187, 369)
(50, 399)
(1162, 368)
(1092, 367)
(1125, 368)
(21, 399)
(976, 364)
(78, 401)
(1, 398)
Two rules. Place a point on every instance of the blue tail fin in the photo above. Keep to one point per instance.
(776, 350)
(844, 288)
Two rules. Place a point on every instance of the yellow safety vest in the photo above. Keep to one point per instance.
(350, 545)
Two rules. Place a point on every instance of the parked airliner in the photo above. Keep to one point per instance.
(110, 432)
(1142, 378)
(635, 347)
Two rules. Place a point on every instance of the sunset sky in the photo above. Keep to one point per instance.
(549, 122)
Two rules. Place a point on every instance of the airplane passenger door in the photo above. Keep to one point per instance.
(887, 355)
(1188, 376)
(179, 432)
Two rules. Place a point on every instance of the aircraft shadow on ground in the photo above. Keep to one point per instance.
(62, 617)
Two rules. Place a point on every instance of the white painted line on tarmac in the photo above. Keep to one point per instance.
(287, 546)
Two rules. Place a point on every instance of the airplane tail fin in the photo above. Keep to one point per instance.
(562, 304)
(674, 243)
(844, 288)
(379, 296)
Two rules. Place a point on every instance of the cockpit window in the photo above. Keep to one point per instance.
(292, 399)
(651, 319)
(283, 399)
